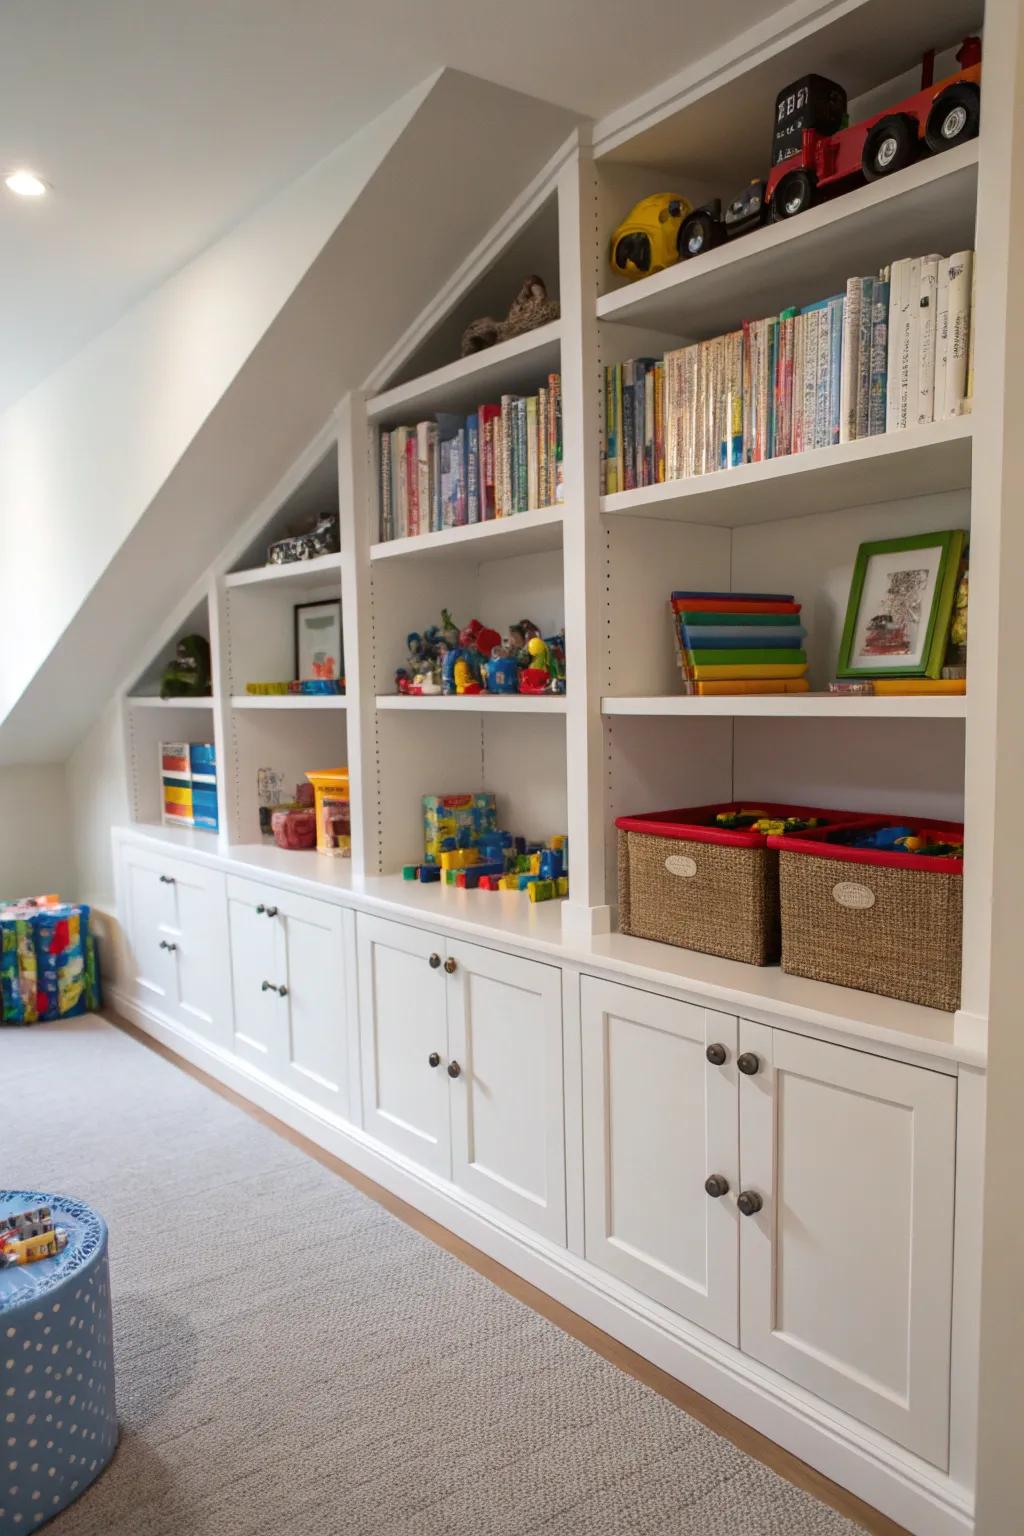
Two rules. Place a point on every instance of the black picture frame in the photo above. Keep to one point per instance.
(328, 605)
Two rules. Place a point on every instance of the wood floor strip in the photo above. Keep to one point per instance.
(698, 1407)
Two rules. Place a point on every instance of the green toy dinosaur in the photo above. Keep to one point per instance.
(188, 675)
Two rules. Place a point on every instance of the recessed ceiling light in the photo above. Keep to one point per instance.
(25, 184)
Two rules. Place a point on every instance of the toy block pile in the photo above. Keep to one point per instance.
(465, 847)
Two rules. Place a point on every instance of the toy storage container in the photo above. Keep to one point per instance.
(881, 920)
(683, 880)
(333, 818)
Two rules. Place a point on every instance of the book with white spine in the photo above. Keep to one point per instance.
(961, 266)
(849, 362)
(867, 309)
(941, 341)
(921, 414)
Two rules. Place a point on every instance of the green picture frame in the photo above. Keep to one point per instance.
(899, 611)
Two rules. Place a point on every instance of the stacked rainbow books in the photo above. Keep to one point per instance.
(739, 642)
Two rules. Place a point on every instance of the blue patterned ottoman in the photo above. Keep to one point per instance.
(58, 1423)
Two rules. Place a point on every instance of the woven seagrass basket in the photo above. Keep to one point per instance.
(685, 881)
(877, 926)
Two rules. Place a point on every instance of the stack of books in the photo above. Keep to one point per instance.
(739, 642)
(890, 352)
(453, 470)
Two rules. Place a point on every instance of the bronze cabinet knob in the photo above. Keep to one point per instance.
(271, 911)
(260, 909)
(748, 1063)
(717, 1055)
(434, 962)
(454, 1070)
(716, 1186)
(434, 1059)
(749, 1202)
(451, 966)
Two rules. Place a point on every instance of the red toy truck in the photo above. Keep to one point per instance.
(810, 151)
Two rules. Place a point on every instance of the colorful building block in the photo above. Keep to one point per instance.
(542, 890)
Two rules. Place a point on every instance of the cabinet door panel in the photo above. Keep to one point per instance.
(508, 1137)
(658, 1119)
(310, 964)
(847, 1268)
(151, 922)
(253, 943)
(402, 1021)
(201, 957)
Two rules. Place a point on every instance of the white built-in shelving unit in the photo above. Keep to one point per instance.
(622, 739)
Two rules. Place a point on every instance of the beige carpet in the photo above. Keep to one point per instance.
(364, 1383)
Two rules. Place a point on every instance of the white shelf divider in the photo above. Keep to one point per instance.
(299, 574)
(152, 701)
(509, 367)
(525, 533)
(475, 703)
(894, 466)
(800, 706)
(289, 701)
(929, 206)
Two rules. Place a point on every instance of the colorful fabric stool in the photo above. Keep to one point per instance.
(57, 1417)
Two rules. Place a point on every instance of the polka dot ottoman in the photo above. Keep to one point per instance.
(58, 1424)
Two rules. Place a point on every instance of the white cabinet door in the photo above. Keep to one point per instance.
(508, 1129)
(846, 1269)
(202, 964)
(309, 964)
(659, 1120)
(151, 923)
(404, 1041)
(254, 966)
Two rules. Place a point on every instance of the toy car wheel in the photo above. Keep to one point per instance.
(793, 195)
(697, 235)
(888, 147)
(954, 118)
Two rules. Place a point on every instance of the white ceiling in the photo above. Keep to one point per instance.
(161, 123)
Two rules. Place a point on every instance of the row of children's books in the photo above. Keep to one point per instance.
(499, 460)
(892, 351)
(739, 642)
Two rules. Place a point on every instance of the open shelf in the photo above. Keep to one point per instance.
(300, 575)
(152, 701)
(929, 206)
(823, 706)
(523, 533)
(289, 701)
(510, 367)
(894, 466)
(478, 703)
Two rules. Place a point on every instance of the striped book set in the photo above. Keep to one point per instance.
(739, 642)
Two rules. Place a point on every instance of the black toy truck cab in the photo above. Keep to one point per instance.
(812, 102)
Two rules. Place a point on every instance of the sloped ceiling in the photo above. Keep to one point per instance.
(467, 149)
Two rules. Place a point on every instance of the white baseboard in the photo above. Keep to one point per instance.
(893, 1481)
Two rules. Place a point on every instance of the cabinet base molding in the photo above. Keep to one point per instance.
(898, 1484)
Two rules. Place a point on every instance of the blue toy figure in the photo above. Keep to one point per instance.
(502, 673)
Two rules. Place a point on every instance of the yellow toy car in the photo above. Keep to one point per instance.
(645, 241)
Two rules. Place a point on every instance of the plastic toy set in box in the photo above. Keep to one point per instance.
(48, 964)
(878, 906)
(188, 777)
(706, 878)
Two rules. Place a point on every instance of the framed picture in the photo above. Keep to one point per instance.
(318, 643)
(901, 603)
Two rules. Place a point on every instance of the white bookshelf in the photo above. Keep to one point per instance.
(600, 567)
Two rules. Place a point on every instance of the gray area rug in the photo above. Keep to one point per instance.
(294, 1361)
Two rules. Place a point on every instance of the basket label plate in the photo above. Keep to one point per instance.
(679, 864)
(849, 893)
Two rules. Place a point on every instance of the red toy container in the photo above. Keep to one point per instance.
(294, 829)
(877, 919)
(683, 880)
